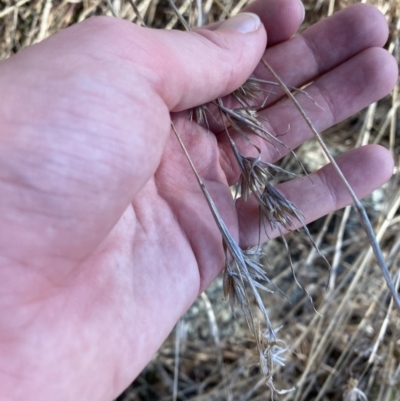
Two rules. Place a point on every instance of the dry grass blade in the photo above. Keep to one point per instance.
(10, 9)
(338, 247)
(179, 15)
(384, 326)
(178, 336)
(220, 367)
(137, 12)
(111, 7)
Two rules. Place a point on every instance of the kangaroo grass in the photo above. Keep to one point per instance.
(243, 274)
(240, 273)
(349, 353)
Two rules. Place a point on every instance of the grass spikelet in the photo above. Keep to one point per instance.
(247, 120)
(270, 352)
(250, 92)
(244, 120)
(254, 173)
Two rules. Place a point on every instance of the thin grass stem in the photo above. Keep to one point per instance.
(359, 207)
(111, 8)
(179, 15)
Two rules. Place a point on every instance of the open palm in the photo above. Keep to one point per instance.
(106, 238)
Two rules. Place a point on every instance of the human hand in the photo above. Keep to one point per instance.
(105, 237)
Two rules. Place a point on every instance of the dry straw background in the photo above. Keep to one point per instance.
(350, 353)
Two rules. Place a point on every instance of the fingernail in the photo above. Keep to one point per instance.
(242, 22)
(304, 10)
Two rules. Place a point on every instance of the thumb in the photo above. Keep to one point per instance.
(93, 131)
(193, 68)
(185, 69)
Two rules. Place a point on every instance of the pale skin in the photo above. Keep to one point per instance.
(105, 238)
